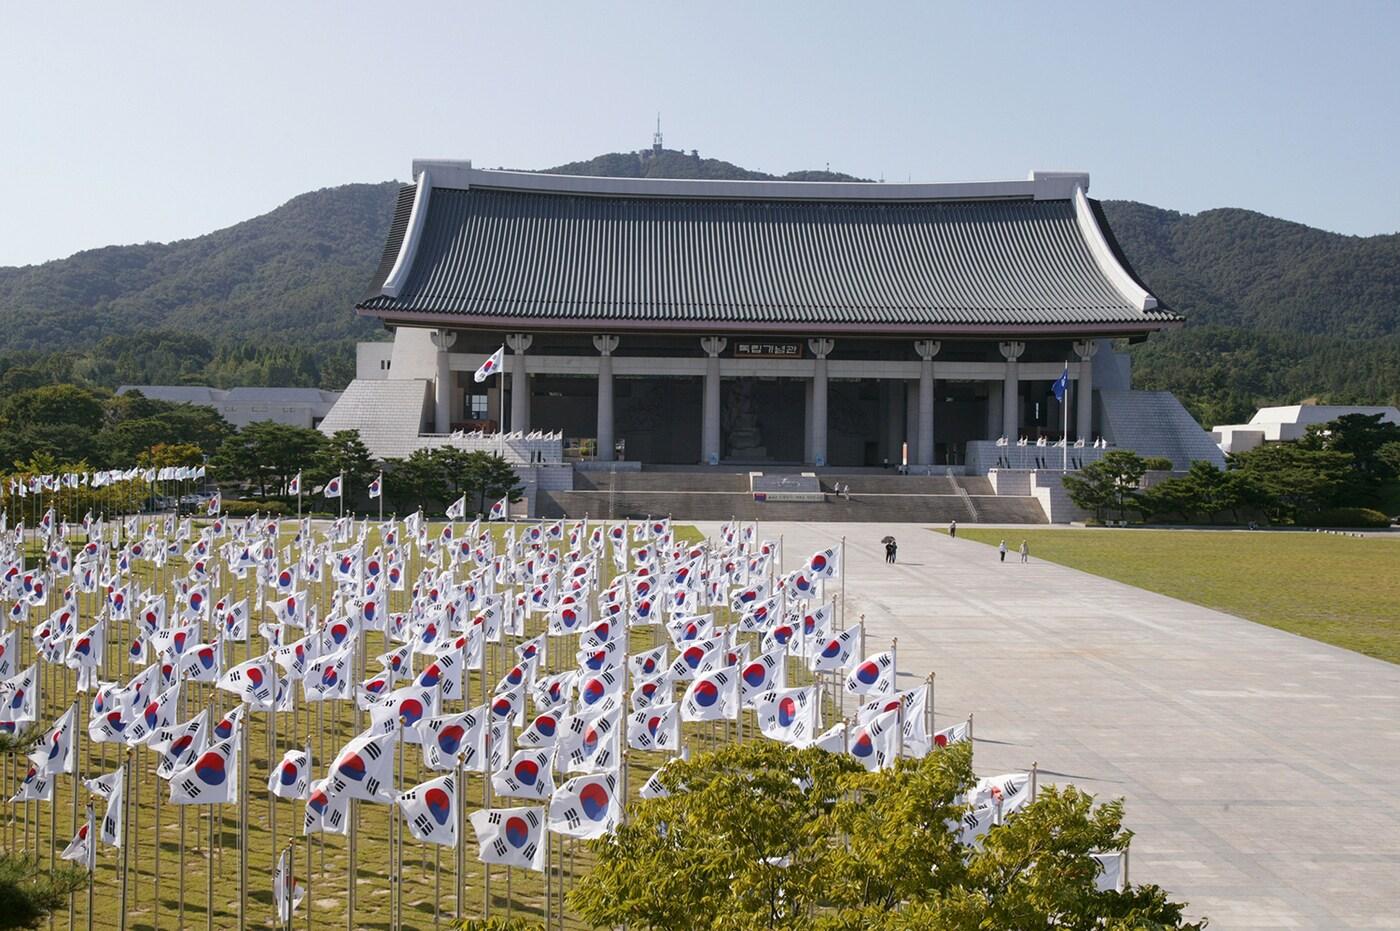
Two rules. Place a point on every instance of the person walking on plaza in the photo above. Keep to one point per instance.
(891, 549)
(1002, 550)
(953, 529)
(1025, 552)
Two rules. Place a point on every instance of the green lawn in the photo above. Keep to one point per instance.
(1340, 590)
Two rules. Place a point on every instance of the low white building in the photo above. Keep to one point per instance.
(1281, 424)
(296, 407)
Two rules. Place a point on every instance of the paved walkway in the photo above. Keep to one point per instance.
(1261, 770)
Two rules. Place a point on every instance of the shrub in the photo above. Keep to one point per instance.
(237, 508)
(1158, 464)
(1345, 517)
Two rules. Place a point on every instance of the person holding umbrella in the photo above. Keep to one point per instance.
(891, 548)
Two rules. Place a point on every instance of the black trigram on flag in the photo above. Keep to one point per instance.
(109, 826)
(190, 788)
(423, 823)
(334, 816)
(499, 847)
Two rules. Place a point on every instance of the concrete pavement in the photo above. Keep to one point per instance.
(1261, 771)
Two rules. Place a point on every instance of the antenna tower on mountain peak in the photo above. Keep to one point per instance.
(656, 136)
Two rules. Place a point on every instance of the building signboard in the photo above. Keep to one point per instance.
(768, 349)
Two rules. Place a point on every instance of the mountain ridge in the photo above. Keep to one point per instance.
(1271, 304)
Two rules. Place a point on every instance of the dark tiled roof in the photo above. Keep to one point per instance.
(551, 257)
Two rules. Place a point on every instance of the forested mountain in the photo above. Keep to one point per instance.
(1276, 311)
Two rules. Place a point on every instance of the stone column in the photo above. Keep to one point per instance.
(519, 382)
(894, 418)
(1011, 391)
(911, 416)
(709, 431)
(993, 409)
(1084, 414)
(443, 340)
(821, 348)
(926, 349)
(807, 420)
(606, 440)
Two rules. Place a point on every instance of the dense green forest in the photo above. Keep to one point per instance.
(1277, 312)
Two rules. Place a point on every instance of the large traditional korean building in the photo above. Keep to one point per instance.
(756, 323)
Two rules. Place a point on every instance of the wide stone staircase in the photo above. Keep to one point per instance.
(715, 495)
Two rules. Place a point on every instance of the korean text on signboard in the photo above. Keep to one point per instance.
(762, 349)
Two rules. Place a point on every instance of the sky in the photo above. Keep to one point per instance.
(133, 122)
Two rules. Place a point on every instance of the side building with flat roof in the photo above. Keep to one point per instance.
(298, 407)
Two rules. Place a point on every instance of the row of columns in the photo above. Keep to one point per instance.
(919, 403)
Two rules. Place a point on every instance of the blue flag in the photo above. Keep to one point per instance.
(1061, 385)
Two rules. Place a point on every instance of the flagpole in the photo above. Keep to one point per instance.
(126, 841)
(244, 727)
(1064, 437)
(91, 858)
(77, 779)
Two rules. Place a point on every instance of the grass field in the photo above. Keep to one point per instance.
(40, 828)
(1340, 590)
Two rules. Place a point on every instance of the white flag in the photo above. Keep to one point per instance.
(326, 814)
(655, 728)
(837, 652)
(875, 676)
(713, 696)
(586, 807)
(80, 849)
(286, 891)
(529, 774)
(764, 673)
(491, 366)
(36, 787)
(457, 510)
(212, 779)
(876, 743)
(291, 778)
(364, 768)
(451, 735)
(114, 820)
(430, 809)
(792, 716)
(500, 510)
(54, 753)
(511, 836)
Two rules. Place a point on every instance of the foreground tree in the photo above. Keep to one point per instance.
(760, 835)
(1110, 484)
(1296, 479)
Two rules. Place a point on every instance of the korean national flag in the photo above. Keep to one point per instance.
(491, 366)
(585, 807)
(511, 836)
(655, 728)
(291, 778)
(430, 809)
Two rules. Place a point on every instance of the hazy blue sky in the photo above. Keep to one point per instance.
(125, 122)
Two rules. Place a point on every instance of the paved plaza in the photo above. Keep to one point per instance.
(1261, 770)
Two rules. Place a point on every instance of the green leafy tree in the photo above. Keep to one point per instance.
(344, 453)
(1361, 435)
(414, 481)
(491, 479)
(29, 894)
(1109, 484)
(267, 454)
(761, 835)
(1295, 479)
